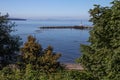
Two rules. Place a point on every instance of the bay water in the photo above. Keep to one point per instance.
(64, 41)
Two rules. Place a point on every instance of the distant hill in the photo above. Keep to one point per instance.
(19, 19)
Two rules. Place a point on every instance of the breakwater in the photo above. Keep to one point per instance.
(66, 27)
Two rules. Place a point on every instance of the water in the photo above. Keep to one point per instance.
(65, 41)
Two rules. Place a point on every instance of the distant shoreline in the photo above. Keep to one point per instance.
(17, 19)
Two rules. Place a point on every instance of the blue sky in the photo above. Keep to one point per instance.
(44, 9)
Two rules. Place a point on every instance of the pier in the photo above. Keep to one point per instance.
(66, 27)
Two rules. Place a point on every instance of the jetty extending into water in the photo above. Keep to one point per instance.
(66, 27)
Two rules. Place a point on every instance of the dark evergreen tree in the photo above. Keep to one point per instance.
(101, 57)
(9, 45)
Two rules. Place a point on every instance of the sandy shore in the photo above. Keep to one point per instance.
(72, 66)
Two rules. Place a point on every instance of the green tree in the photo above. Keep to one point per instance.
(31, 51)
(101, 57)
(9, 44)
(49, 60)
(43, 60)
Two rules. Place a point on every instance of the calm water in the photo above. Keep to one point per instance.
(65, 41)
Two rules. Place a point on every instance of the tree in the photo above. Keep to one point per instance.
(102, 56)
(49, 60)
(43, 60)
(9, 44)
(31, 51)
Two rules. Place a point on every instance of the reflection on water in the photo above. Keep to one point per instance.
(65, 41)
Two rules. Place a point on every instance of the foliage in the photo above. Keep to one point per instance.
(9, 44)
(30, 74)
(48, 61)
(31, 50)
(101, 58)
(8, 73)
(43, 60)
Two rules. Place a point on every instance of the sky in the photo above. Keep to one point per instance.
(49, 9)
